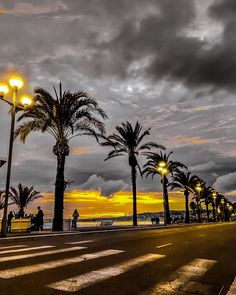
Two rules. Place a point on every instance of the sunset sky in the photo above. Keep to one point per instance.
(169, 64)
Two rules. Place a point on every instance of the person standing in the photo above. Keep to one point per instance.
(39, 219)
(75, 218)
(9, 218)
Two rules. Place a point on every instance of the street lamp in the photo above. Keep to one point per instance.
(214, 195)
(163, 170)
(198, 188)
(16, 83)
(223, 205)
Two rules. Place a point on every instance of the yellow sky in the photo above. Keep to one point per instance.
(92, 204)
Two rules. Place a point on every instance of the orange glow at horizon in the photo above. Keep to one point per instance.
(91, 204)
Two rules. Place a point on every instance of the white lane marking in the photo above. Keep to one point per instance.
(24, 256)
(90, 278)
(232, 289)
(25, 249)
(165, 245)
(193, 270)
(80, 242)
(20, 271)
(9, 247)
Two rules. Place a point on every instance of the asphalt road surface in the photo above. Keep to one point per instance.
(198, 259)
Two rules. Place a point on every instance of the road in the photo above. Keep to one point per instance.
(199, 259)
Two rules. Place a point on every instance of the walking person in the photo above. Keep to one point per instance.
(75, 218)
(39, 219)
(9, 218)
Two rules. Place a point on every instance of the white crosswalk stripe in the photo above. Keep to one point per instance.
(10, 247)
(165, 245)
(78, 282)
(25, 249)
(232, 289)
(19, 271)
(43, 253)
(195, 269)
(79, 242)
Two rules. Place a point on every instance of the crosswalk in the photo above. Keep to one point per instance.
(79, 282)
(171, 284)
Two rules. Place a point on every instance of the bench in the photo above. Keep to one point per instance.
(106, 223)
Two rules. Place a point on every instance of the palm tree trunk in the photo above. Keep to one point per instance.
(214, 212)
(199, 212)
(133, 174)
(59, 195)
(207, 210)
(186, 194)
(165, 200)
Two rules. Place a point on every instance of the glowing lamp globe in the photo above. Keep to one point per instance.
(214, 195)
(3, 89)
(16, 83)
(164, 171)
(26, 101)
(162, 164)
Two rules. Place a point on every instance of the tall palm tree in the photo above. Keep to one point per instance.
(23, 195)
(206, 195)
(64, 116)
(128, 140)
(183, 180)
(160, 164)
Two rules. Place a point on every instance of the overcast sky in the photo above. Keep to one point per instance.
(170, 64)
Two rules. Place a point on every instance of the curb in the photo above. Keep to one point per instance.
(64, 234)
(61, 235)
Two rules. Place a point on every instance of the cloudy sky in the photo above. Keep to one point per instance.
(169, 64)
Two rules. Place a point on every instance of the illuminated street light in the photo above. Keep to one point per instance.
(26, 101)
(16, 83)
(214, 195)
(162, 168)
(162, 164)
(3, 89)
(223, 205)
(198, 187)
(164, 171)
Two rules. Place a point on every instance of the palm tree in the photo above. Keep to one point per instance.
(185, 181)
(129, 141)
(2, 199)
(206, 195)
(160, 164)
(63, 116)
(23, 196)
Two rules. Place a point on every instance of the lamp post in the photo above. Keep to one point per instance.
(214, 195)
(223, 206)
(199, 189)
(162, 169)
(16, 83)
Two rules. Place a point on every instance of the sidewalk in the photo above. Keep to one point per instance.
(47, 234)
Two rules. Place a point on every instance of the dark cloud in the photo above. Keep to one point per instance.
(107, 188)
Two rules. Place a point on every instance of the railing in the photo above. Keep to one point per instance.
(19, 224)
(23, 224)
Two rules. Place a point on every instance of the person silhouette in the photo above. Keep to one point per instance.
(75, 216)
(39, 219)
(9, 218)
